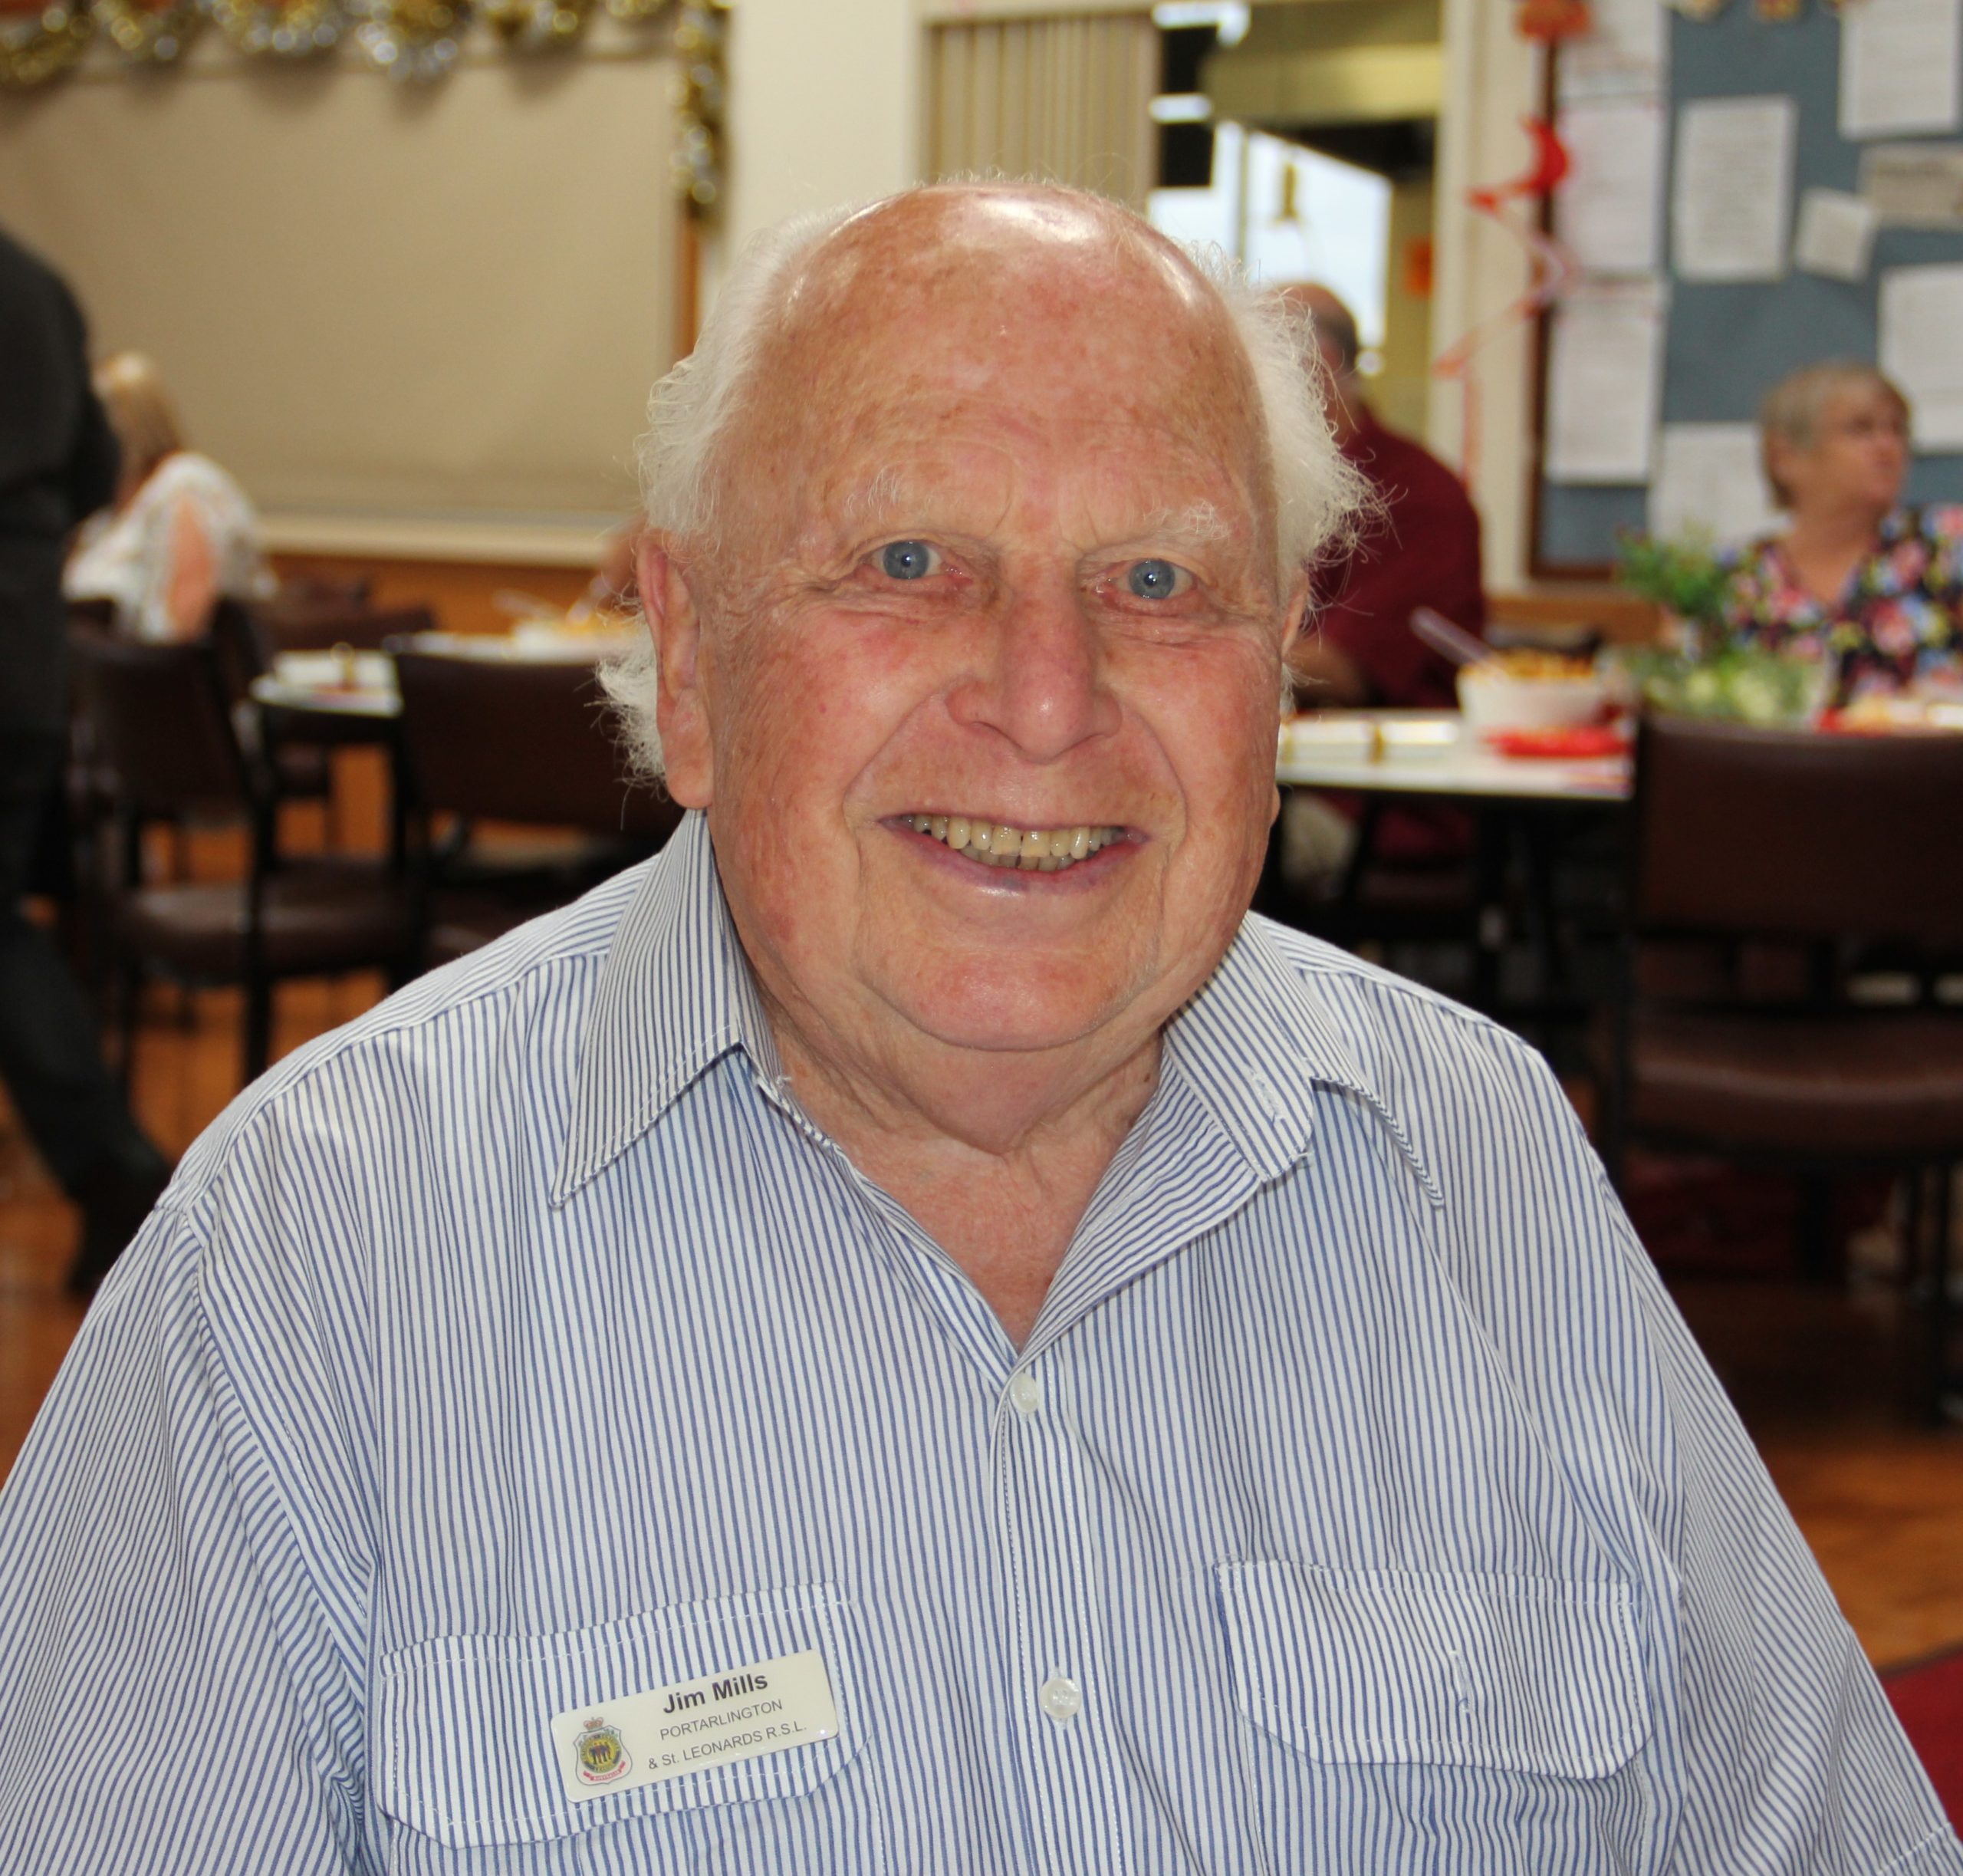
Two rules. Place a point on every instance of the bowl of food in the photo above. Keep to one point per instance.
(1521, 689)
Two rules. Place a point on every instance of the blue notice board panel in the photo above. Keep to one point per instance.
(1727, 344)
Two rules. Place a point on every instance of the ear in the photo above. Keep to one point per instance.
(681, 710)
(1295, 618)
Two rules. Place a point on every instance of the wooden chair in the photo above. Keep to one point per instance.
(524, 743)
(1838, 846)
(161, 727)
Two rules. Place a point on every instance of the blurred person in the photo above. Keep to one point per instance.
(58, 461)
(180, 534)
(1419, 547)
(908, 1333)
(1858, 581)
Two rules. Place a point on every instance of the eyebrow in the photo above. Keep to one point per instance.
(888, 493)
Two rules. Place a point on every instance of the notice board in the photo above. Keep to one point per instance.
(1726, 344)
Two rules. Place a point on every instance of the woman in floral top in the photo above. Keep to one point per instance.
(1874, 589)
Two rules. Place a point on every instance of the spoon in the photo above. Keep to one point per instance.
(1449, 641)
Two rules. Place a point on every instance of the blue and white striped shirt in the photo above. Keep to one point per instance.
(1358, 1502)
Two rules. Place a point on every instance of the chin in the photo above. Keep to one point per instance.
(1002, 1005)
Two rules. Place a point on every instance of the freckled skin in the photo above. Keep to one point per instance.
(983, 371)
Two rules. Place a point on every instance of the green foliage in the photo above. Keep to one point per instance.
(1737, 683)
(1707, 673)
(1685, 578)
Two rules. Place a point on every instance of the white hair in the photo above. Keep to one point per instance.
(1318, 496)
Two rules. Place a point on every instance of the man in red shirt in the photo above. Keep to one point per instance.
(1422, 549)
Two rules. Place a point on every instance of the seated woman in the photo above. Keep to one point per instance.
(1872, 588)
(180, 534)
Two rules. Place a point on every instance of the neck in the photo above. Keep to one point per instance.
(989, 1104)
(996, 1156)
(1834, 527)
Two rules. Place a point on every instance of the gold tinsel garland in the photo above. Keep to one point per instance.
(537, 25)
(406, 38)
(149, 34)
(412, 40)
(280, 29)
(36, 47)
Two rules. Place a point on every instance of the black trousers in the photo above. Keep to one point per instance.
(50, 1058)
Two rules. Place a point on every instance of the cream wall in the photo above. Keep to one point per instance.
(423, 320)
(823, 109)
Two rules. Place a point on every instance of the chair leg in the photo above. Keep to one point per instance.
(258, 1026)
(1915, 1195)
(1812, 1228)
(1944, 1401)
(129, 1008)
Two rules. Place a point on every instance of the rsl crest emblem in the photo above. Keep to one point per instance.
(599, 1755)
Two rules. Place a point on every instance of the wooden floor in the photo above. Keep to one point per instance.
(1824, 1377)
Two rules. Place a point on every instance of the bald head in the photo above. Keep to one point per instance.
(1060, 303)
(1060, 309)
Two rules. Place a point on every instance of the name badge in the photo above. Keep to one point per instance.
(748, 1712)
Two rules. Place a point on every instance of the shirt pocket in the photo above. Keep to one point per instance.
(1510, 1675)
(461, 1749)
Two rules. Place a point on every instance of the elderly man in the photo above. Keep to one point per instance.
(906, 1335)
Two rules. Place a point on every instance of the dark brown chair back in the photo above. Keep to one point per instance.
(514, 740)
(306, 627)
(1795, 833)
(323, 590)
(160, 724)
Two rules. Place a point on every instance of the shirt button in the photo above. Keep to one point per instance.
(1060, 1697)
(1025, 1393)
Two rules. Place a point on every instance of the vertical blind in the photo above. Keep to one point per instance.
(1066, 99)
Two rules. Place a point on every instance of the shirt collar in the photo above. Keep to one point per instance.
(1260, 1045)
(676, 994)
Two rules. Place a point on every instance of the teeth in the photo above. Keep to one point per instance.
(1029, 850)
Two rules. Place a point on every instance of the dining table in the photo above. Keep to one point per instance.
(1528, 794)
(1437, 754)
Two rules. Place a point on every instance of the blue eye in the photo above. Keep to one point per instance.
(908, 560)
(1157, 579)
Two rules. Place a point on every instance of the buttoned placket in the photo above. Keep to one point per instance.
(1079, 1816)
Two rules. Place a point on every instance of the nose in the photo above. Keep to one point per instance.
(1039, 679)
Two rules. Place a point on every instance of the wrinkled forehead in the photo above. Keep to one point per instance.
(1037, 320)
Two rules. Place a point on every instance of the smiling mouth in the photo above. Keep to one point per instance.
(1028, 850)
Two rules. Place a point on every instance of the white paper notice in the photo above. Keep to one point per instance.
(1624, 50)
(1914, 184)
(1708, 482)
(1836, 235)
(1921, 313)
(1733, 203)
(1608, 211)
(1605, 381)
(1901, 66)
